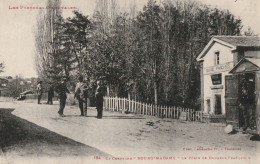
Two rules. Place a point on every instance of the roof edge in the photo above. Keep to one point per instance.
(239, 63)
(209, 45)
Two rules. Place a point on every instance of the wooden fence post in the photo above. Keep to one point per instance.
(166, 112)
(135, 106)
(143, 108)
(110, 103)
(119, 104)
(178, 112)
(188, 113)
(129, 106)
(132, 105)
(151, 110)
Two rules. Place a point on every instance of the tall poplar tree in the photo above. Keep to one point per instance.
(46, 46)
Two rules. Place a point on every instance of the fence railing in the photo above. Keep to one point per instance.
(128, 105)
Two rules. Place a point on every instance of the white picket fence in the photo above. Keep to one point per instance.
(127, 105)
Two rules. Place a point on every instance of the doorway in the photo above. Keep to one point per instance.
(231, 100)
(246, 97)
(218, 104)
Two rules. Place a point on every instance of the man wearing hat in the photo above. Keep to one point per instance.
(62, 90)
(50, 94)
(39, 91)
(80, 94)
(99, 99)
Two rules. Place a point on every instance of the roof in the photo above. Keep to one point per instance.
(246, 65)
(241, 41)
(231, 41)
(254, 61)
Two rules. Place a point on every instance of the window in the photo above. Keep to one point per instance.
(216, 79)
(217, 58)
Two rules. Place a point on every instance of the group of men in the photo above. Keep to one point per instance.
(81, 94)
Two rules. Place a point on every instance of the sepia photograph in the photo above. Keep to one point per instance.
(129, 81)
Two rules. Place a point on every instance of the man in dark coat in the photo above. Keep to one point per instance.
(99, 99)
(50, 95)
(85, 96)
(62, 90)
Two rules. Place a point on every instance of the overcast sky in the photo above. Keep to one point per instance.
(17, 26)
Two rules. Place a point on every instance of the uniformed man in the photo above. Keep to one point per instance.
(50, 95)
(62, 90)
(79, 94)
(99, 99)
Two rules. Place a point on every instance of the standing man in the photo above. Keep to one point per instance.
(39, 91)
(99, 99)
(62, 90)
(50, 95)
(86, 96)
(246, 102)
(79, 94)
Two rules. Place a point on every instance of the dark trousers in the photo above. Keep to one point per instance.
(81, 106)
(86, 103)
(39, 99)
(86, 106)
(245, 116)
(99, 107)
(83, 110)
(49, 100)
(62, 105)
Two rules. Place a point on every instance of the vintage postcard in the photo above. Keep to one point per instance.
(129, 81)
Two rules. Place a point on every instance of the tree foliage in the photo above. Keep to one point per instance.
(46, 43)
(149, 56)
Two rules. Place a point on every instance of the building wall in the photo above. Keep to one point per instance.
(201, 87)
(254, 54)
(226, 63)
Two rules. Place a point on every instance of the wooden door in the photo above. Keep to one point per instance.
(231, 99)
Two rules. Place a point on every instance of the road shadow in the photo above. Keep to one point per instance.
(121, 117)
(23, 138)
(255, 137)
(77, 116)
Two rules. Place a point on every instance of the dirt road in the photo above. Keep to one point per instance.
(30, 131)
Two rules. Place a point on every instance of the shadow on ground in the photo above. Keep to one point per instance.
(255, 137)
(23, 138)
(121, 117)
